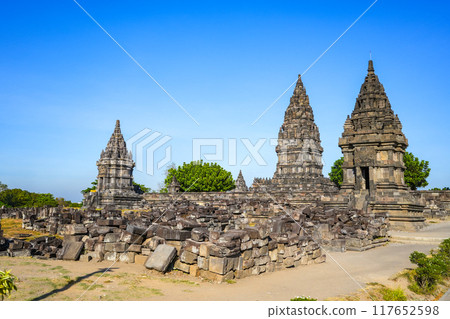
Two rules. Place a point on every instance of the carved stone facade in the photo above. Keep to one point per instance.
(299, 152)
(115, 175)
(373, 145)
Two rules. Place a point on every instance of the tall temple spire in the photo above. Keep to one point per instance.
(299, 150)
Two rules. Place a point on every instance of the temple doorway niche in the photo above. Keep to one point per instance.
(365, 178)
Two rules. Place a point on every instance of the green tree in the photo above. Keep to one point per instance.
(7, 283)
(198, 176)
(336, 175)
(3, 187)
(139, 188)
(416, 171)
(92, 188)
(20, 198)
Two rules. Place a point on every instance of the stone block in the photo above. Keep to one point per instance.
(320, 259)
(85, 258)
(247, 245)
(130, 238)
(317, 253)
(89, 244)
(273, 254)
(188, 257)
(96, 230)
(161, 258)
(193, 246)
(288, 262)
(111, 238)
(216, 277)
(155, 242)
(127, 257)
(73, 238)
(194, 270)
(199, 234)
(203, 263)
(75, 229)
(135, 248)
(116, 247)
(262, 260)
(247, 254)
(111, 256)
(136, 230)
(72, 250)
(204, 249)
(140, 259)
(21, 253)
(219, 265)
(246, 264)
(173, 234)
(182, 266)
(146, 251)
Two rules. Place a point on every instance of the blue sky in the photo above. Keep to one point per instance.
(64, 81)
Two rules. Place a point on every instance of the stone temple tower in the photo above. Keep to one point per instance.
(373, 145)
(115, 175)
(299, 152)
(115, 166)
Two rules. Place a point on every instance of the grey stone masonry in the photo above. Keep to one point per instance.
(373, 145)
(115, 176)
(299, 152)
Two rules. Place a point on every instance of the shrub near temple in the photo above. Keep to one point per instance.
(430, 269)
(198, 176)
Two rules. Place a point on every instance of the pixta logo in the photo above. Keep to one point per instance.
(150, 149)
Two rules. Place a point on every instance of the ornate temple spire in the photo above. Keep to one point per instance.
(116, 147)
(299, 150)
(115, 165)
(241, 186)
(372, 107)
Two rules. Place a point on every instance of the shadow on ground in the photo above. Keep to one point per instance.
(71, 283)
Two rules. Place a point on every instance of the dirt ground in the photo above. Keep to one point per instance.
(75, 280)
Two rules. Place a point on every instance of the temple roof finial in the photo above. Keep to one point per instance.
(370, 69)
(117, 128)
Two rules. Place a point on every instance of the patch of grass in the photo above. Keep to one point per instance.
(303, 298)
(12, 227)
(179, 281)
(230, 281)
(87, 286)
(393, 294)
(60, 269)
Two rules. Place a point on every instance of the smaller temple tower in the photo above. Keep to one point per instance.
(115, 176)
(115, 166)
(373, 145)
(241, 186)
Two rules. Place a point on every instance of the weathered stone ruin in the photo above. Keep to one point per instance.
(373, 145)
(286, 221)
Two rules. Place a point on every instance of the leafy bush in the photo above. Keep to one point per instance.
(7, 283)
(303, 298)
(430, 269)
(393, 294)
(198, 176)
